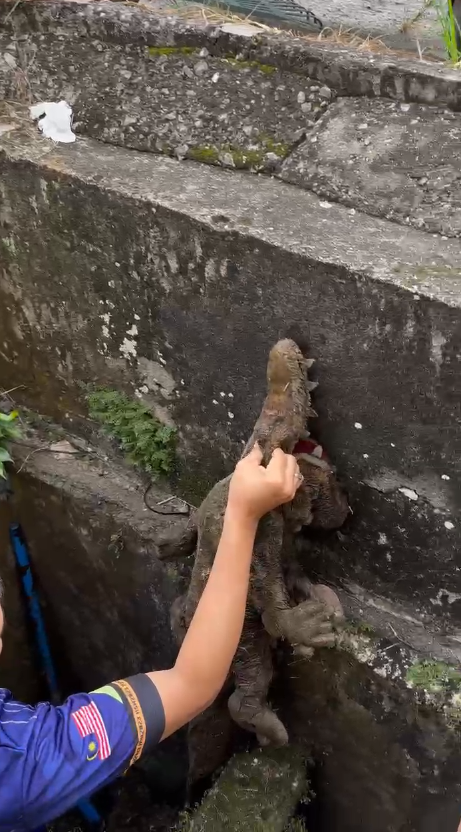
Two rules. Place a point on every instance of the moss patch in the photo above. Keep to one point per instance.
(265, 786)
(243, 158)
(267, 69)
(433, 676)
(358, 628)
(157, 51)
(147, 442)
(206, 153)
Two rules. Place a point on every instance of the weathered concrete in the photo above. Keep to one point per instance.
(180, 101)
(259, 790)
(384, 762)
(105, 596)
(377, 742)
(349, 72)
(167, 268)
(386, 754)
(400, 161)
(93, 545)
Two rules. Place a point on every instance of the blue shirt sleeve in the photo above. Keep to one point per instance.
(65, 753)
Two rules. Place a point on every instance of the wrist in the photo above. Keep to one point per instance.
(238, 515)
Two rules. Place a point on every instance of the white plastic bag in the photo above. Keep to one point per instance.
(54, 120)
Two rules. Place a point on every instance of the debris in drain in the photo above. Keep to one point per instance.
(54, 120)
(63, 448)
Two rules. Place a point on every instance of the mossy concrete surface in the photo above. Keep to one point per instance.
(385, 761)
(180, 100)
(258, 791)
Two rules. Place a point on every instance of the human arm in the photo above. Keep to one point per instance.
(77, 748)
(214, 633)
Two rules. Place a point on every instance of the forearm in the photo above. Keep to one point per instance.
(212, 638)
(214, 633)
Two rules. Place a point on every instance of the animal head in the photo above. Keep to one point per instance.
(287, 370)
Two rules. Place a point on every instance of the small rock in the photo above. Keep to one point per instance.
(10, 60)
(215, 77)
(204, 53)
(63, 448)
(325, 92)
(299, 134)
(306, 107)
(301, 97)
(248, 130)
(200, 68)
(227, 160)
(181, 151)
(187, 72)
(272, 158)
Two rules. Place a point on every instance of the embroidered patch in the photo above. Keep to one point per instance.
(89, 722)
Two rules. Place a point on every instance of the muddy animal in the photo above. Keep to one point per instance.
(282, 603)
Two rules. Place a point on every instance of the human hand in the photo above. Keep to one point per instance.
(255, 490)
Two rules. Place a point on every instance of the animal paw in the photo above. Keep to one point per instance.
(310, 624)
(257, 717)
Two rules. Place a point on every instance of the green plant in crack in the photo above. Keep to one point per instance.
(9, 432)
(433, 676)
(147, 442)
(449, 28)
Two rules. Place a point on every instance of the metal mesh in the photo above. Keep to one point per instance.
(287, 13)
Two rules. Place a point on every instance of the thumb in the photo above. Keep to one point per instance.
(256, 454)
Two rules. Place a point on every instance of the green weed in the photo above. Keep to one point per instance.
(450, 29)
(433, 676)
(8, 433)
(147, 442)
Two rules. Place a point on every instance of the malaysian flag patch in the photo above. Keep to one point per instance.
(89, 722)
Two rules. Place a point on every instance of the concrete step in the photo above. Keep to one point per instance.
(395, 160)
(144, 80)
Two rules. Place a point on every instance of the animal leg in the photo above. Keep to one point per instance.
(309, 624)
(178, 618)
(181, 543)
(253, 671)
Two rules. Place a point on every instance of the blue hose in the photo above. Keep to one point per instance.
(21, 554)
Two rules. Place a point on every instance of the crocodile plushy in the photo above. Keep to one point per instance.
(282, 603)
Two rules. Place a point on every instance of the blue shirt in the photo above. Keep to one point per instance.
(51, 757)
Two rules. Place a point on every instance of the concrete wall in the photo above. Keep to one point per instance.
(175, 279)
(105, 596)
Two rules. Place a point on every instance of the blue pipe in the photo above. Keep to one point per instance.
(21, 554)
